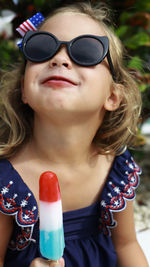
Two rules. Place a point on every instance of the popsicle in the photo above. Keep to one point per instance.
(51, 221)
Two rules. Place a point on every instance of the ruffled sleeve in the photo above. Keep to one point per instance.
(16, 199)
(120, 186)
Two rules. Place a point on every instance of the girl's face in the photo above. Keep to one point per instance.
(59, 86)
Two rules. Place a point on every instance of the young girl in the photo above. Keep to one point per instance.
(72, 108)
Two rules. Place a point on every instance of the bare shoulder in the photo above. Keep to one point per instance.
(6, 228)
(124, 232)
(24, 163)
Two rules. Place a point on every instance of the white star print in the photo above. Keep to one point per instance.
(103, 203)
(4, 190)
(26, 217)
(8, 205)
(117, 190)
(23, 203)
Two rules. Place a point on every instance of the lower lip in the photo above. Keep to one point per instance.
(56, 84)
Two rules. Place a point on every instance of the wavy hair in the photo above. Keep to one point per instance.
(118, 128)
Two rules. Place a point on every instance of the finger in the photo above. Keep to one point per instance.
(38, 262)
(58, 263)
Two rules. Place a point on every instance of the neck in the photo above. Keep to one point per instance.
(66, 144)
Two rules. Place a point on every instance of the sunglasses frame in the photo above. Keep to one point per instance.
(102, 39)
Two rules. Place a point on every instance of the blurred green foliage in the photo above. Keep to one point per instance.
(8, 52)
(134, 31)
(132, 25)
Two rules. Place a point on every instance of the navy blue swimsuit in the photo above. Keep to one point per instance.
(87, 230)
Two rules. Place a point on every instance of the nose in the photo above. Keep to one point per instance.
(61, 58)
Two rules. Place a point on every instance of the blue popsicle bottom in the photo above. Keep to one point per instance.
(52, 244)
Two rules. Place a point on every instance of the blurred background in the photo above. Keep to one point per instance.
(132, 24)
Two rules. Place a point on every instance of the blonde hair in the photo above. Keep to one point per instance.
(118, 128)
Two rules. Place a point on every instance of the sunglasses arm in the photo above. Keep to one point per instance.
(111, 67)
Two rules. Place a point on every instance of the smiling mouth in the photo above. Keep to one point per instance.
(58, 80)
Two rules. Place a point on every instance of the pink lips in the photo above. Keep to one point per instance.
(58, 82)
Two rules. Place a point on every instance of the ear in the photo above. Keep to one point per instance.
(23, 97)
(113, 101)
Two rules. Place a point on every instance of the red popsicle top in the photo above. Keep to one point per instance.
(49, 190)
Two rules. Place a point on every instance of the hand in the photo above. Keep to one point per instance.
(39, 262)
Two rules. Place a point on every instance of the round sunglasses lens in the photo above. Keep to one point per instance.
(87, 50)
(40, 47)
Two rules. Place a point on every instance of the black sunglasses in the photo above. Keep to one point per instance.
(84, 50)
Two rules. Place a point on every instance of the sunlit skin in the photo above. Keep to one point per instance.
(88, 96)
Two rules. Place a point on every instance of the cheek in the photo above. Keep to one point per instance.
(27, 89)
(31, 76)
(98, 81)
(32, 72)
(98, 74)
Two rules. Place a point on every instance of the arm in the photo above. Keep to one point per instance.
(6, 228)
(128, 250)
